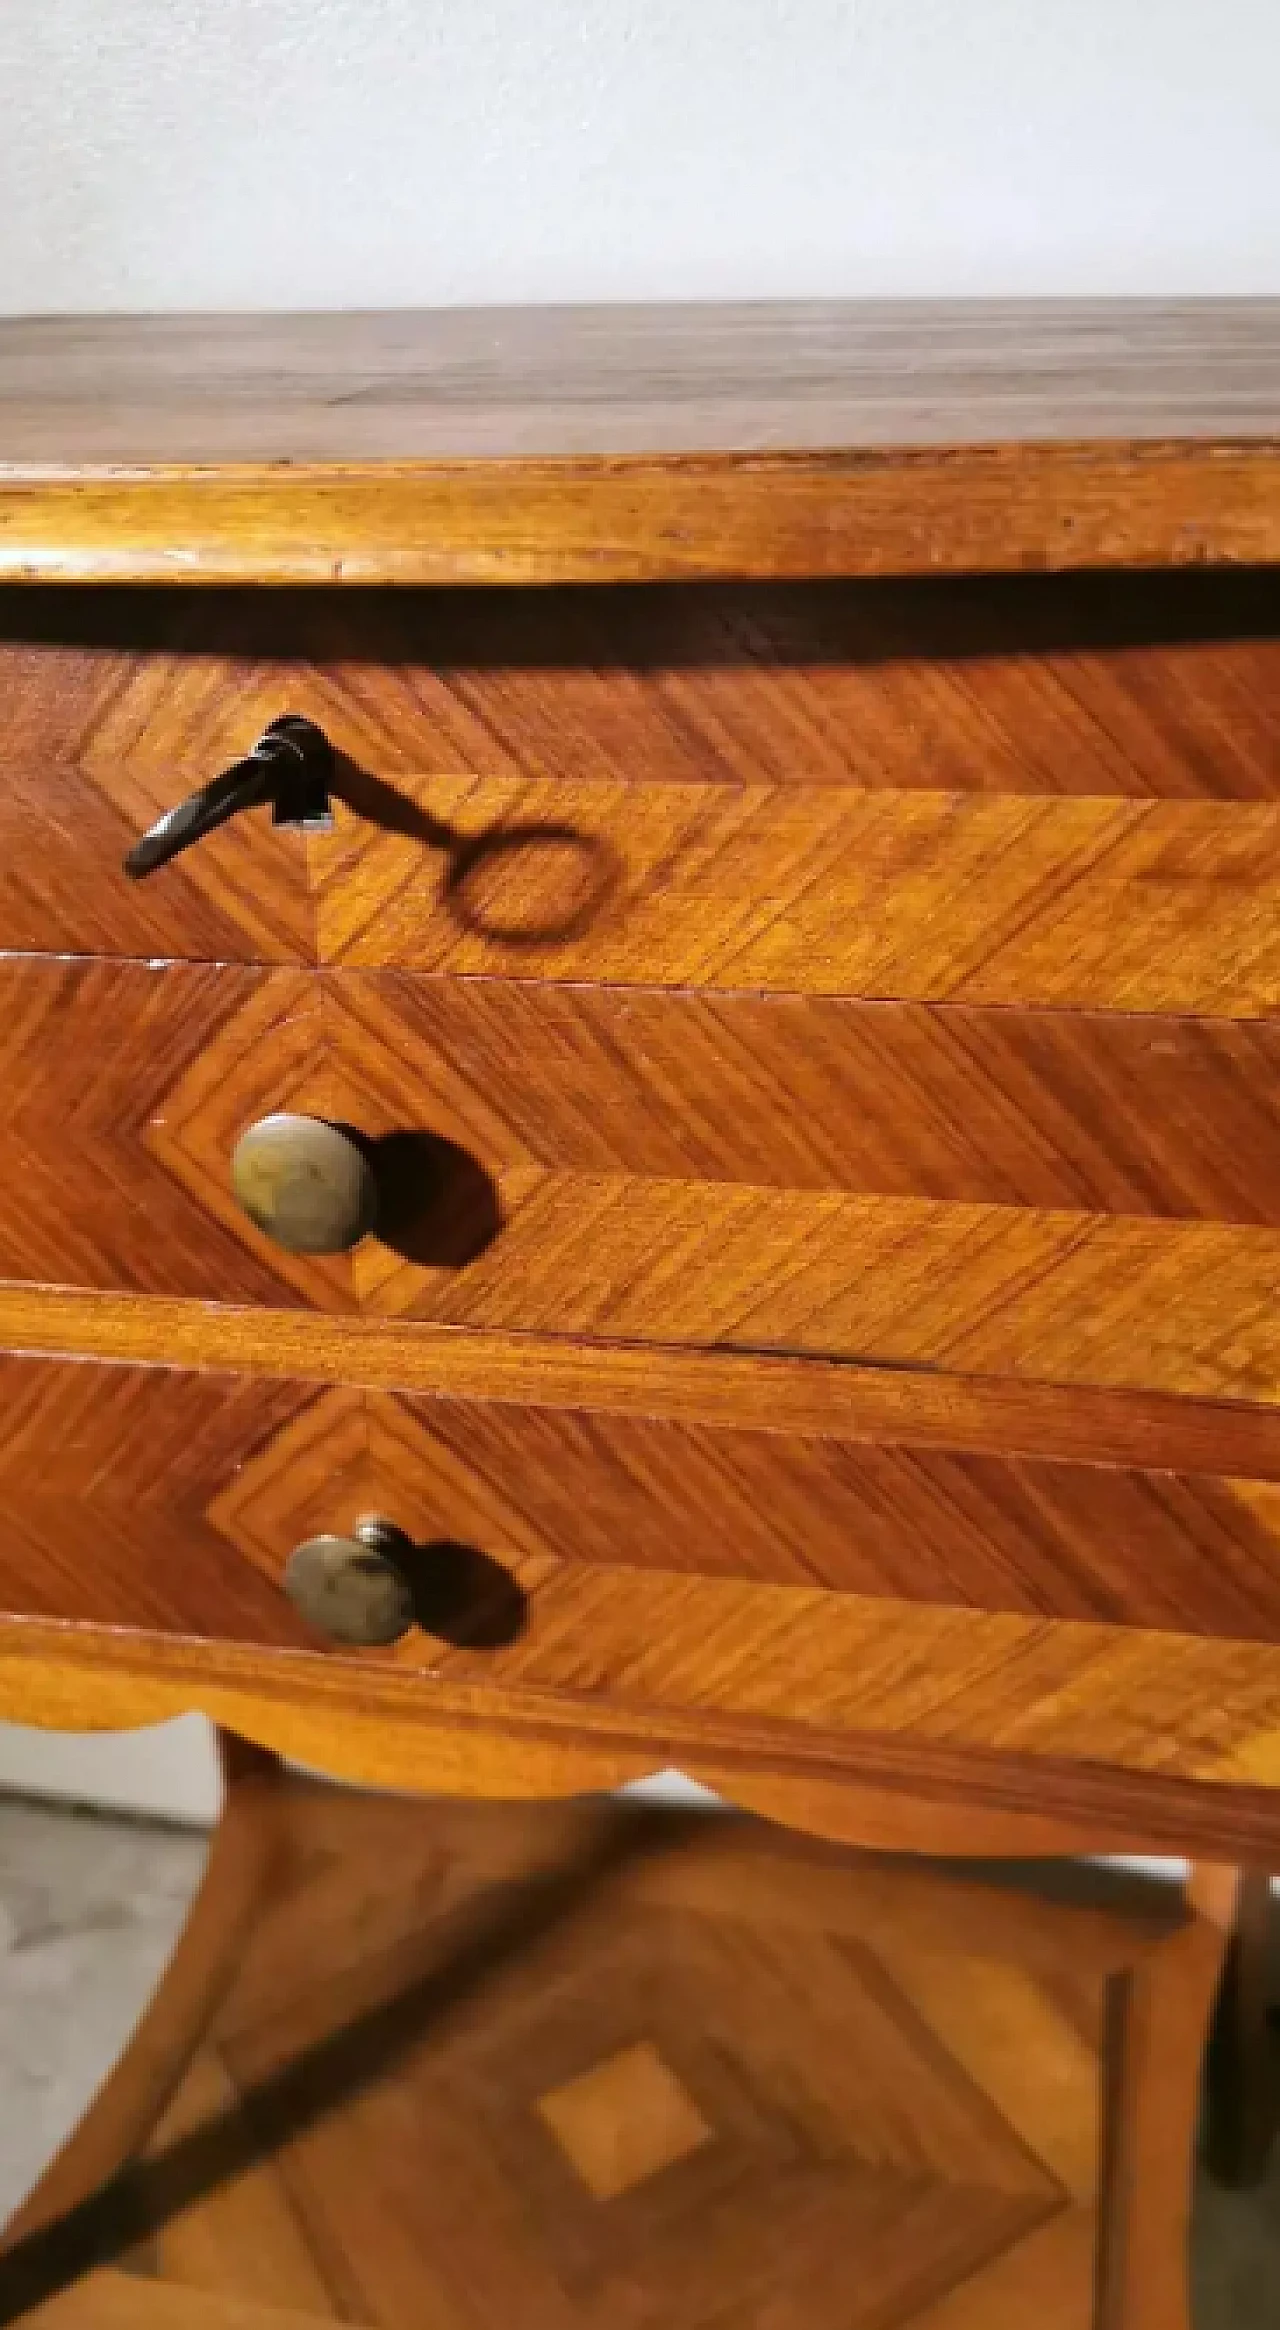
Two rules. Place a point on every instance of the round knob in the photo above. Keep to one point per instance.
(308, 1184)
(350, 1588)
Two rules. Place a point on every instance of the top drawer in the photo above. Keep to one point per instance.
(1046, 790)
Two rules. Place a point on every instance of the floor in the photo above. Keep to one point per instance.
(89, 1909)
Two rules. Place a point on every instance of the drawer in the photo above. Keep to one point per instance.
(744, 1540)
(1056, 790)
(1080, 1198)
(1072, 1198)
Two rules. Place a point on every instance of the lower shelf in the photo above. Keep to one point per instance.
(439, 2067)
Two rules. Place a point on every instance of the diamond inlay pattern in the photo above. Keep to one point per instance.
(576, 2070)
(624, 2120)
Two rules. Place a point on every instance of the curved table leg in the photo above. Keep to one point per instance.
(1244, 2049)
(1160, 2021)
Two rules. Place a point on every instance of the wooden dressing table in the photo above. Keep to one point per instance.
(672, 1159)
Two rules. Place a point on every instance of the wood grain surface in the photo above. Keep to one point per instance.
(1088, 904)
(606, 443)
(883, 972)
(1064, 1198)
(713, 377)
(103, 1466)
(111, 1472)
(917, 1407)
(624, 1570)
(1053, 1297)
(647, 519)
(1089, 1721)
(628, 2020)
(1146, 685)
(126, 1086)
(382, 1727)
(1070, 705)
(990, 1192)
(1142, 1114)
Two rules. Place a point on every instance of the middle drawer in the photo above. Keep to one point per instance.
(1079, 1197)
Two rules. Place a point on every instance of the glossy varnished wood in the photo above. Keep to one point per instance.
(1064, 1198)
(110, 1477)
(1141, 1114)
(1049, 1297)
(864, 989)
(1070, 705)
(607, 443)
(1142, 685)
(92, 751)
(619, 1673)
(618, 1573)
(1194, 1554)
(378, 1726)
(1079, 1199)
(919, 1407)
(629, 2019)
(646, 519)
(103, 1465)
(127, 1085)
(1089, 904)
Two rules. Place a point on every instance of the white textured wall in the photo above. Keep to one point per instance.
(329, 153)
(188, 153)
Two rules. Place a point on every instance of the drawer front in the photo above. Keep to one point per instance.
(1080, 1199)
(1087, 1199)
(1090, 904)
(826, 1575)
(1062, 790)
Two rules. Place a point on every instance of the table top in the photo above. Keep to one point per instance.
(611, 442)
(566, 382)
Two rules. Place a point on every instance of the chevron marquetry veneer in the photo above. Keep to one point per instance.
(759, 1250)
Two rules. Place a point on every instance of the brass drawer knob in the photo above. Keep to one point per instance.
(352, 1588)
(309, 1185)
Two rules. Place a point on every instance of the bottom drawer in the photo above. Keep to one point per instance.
(828, 1550)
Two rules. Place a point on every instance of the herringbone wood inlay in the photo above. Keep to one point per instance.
(1080, 1200)
(1083, 904)
(1016, 798)
(107, 1478)
(96, 746)
(1092, 1112)
(126, 1085)
(575, 2069)
(813, 787)
(537, 1484)
(873, 974)
(819, 1585)
(959, 793)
